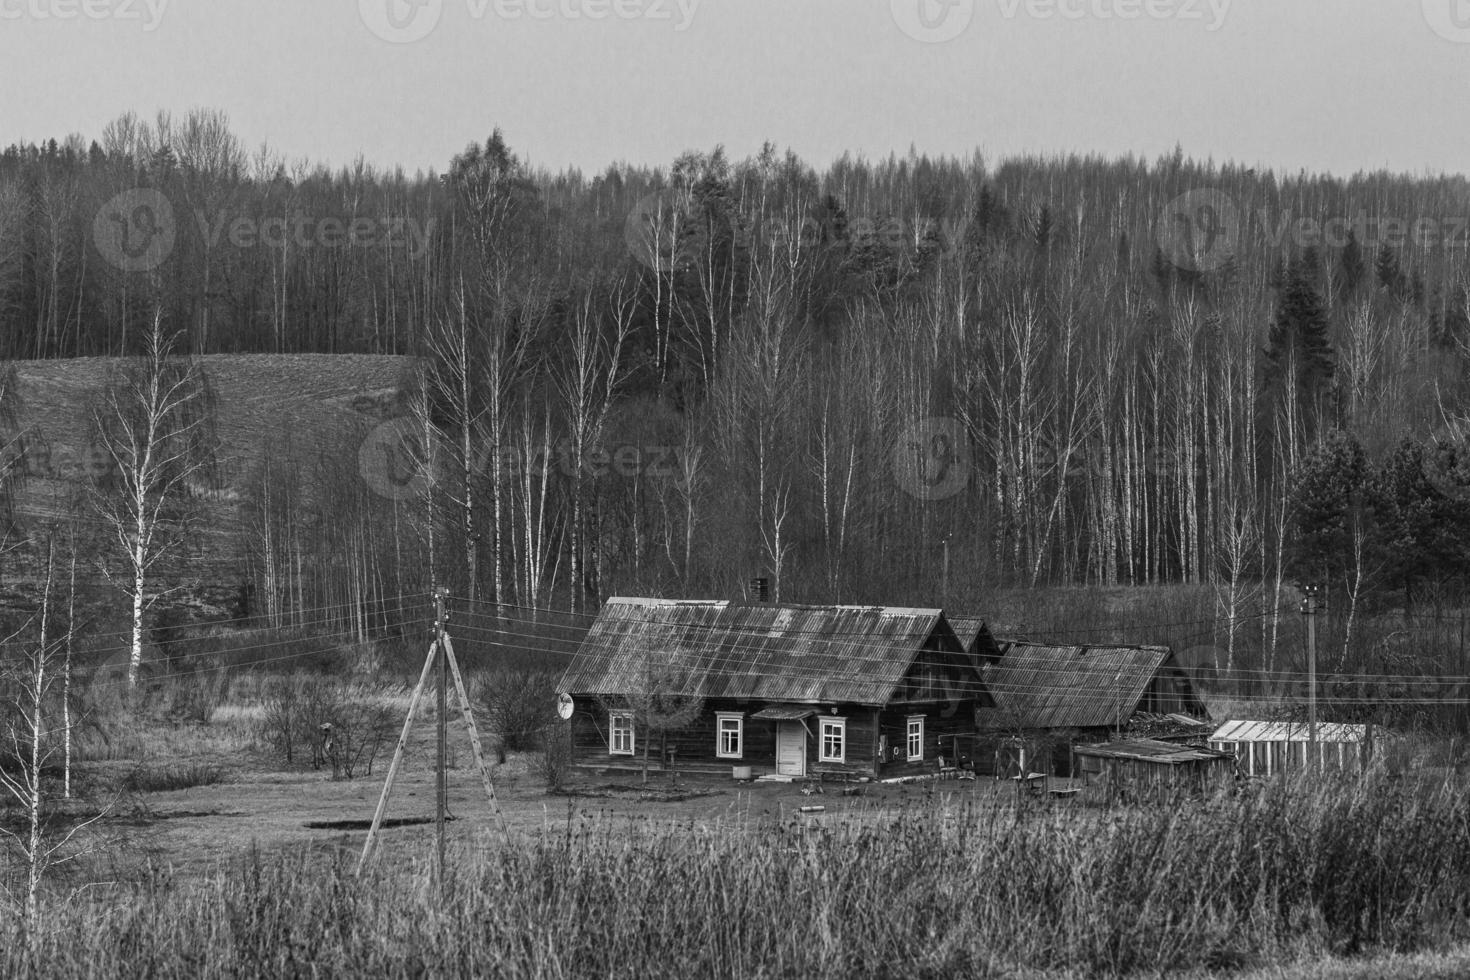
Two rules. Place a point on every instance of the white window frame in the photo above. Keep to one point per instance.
(839, 725)
(619, 724)
(721, 717)
(915, 733)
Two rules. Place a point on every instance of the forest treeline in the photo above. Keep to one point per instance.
(908, 379)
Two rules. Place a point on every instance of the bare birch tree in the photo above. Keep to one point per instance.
(154, 425)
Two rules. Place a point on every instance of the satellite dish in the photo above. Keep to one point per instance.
(565, 705)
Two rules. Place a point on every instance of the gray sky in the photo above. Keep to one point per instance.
(1326, 85)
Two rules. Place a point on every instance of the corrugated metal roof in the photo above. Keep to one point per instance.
(1040, 686)
(1288, 731)
(967, 628)
(1150, 750)
(808, 654)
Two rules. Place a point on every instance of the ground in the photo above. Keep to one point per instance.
(261, 802)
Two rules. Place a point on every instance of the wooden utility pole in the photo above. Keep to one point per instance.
(1309, 610)
(442, 775)
(442, 652)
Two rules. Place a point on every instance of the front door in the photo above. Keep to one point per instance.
(790, 748)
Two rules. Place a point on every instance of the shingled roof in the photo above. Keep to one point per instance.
(803, 654)
(1038, 685)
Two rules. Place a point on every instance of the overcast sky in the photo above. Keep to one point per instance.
(1325, 85)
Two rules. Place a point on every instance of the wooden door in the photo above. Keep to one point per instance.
(791, 748)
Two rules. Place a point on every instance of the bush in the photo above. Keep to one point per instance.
(337, 723)
(554, 761)
(520, 704)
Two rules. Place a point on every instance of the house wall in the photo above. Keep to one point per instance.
(942, 724)
(694, 747)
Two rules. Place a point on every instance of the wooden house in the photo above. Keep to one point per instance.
(1266, 748)
(1133, 770)
(791, 691)
(1048, 698)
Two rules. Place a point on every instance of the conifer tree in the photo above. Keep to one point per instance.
(1351, 265)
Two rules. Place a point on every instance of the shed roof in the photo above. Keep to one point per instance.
(1038, 685)
(1151, 750)
(967, 628)
(802, 654)
(1288, 731)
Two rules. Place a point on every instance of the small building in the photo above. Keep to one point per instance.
(1265, 748)
(1048, 698)
(784, 690)
(1144, 769)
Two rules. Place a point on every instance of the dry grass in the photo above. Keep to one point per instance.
(1285, 876)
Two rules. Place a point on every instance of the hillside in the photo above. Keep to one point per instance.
(307, 410)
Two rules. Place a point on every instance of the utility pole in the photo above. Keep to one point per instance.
(1310, 608)
(442, 648)
(441, 617)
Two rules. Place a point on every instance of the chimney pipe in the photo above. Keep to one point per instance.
(760, 589)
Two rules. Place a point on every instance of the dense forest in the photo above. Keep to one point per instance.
(883, 381)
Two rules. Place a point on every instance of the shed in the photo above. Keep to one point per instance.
(783, 690)
(1264, 748)
(1050, 697)
(1144, 768)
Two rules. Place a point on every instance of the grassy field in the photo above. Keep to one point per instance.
(207, 866)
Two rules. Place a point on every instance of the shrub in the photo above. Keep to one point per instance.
(338, 723)
(554, 761)
(520, 703)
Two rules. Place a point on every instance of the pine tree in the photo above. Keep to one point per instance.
(1299, 332)
(1330, 497)
(1386, 268)
(1350, 265)
(1425, 530)
(1044, 229)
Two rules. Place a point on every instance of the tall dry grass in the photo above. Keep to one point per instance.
(1282, 872)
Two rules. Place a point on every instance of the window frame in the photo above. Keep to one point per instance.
(721, 717)
(619, 723)
(909, 736)
(839, 725)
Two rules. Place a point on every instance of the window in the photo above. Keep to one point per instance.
(834, 740)
(916, 738)
(729, 735)
(620, 733)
